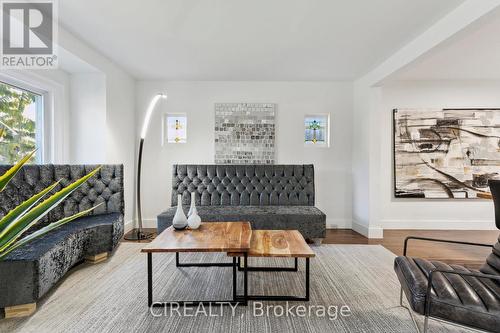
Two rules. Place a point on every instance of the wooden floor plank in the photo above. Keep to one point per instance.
(393, 240)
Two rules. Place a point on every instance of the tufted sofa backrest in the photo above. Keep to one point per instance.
(105, 187)
(244, 185)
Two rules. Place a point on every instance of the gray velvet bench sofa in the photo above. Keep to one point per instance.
(268, 196)
(29, 272)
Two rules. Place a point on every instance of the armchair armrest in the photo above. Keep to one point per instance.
(440, 241)
(434, 271)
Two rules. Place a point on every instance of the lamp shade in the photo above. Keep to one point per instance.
(149, 112)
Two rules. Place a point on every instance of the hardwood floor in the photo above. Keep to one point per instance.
(470, 256)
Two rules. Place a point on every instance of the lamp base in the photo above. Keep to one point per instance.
(138, 235)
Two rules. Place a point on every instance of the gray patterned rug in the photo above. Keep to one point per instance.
(354, 284)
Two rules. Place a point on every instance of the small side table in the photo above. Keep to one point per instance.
(210, 237)
(274, 244)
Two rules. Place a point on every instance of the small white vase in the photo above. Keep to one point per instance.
(193, 204)
(194, 221)
(180, 221)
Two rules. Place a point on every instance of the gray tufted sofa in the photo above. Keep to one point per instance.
(29, 272)
(268, 196)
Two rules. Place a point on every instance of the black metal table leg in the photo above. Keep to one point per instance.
(235, 301)
(307, 279)
(280, 298)
(234, 280)
(245, 279)
(150, 278)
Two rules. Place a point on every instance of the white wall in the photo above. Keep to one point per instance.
(365, 149)
(118, 138)
(294, 99)
(429, 214)
(88, 118)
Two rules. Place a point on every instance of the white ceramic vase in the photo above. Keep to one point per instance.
(180, 220)
(193, 205)
(194, 220)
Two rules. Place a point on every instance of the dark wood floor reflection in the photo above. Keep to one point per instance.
(456, 254)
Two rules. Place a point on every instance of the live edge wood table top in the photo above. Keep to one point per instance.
(209, 237)
(278, 243)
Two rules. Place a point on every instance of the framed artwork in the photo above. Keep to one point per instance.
(244, 133)
(445, 153)
(175, 128)
(317, 130)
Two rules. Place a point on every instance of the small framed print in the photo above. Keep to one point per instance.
(317, 130)
(175, 128)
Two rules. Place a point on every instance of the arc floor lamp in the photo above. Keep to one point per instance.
(139, 233)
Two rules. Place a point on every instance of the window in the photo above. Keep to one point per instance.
(175, 126)
(317, 130)
(21, 124)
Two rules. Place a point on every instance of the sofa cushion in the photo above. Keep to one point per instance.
(310, 221)
(28, 272)
(466, 300)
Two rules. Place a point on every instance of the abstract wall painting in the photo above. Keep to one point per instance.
(175, 126)
(244, 133)
(445, 153)
(317, 130)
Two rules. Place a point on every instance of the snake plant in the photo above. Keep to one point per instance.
(16, 222)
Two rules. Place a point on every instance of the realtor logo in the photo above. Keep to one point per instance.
(29, 30)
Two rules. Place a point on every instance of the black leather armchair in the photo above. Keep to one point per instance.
(453, 293)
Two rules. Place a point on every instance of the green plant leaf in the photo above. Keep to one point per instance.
(45, 230)
(6, 177)
(20, 210)
(14, 230)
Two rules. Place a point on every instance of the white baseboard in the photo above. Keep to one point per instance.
(367, 231)
(149, 223)
(338, 223)
(129, 225)
(439, 224)
(146, 223)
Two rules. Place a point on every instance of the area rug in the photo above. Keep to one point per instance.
(354, 284)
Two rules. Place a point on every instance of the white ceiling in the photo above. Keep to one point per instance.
(473, 54)
(249, 39)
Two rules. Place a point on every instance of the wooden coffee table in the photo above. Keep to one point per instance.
(274, 244)
(210, 237)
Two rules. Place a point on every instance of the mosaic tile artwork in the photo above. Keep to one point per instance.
(445, 153)
(244, 133)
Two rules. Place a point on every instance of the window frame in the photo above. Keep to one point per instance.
(52, 95)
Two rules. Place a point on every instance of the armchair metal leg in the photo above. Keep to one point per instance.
(426, 324)
(401, 292)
